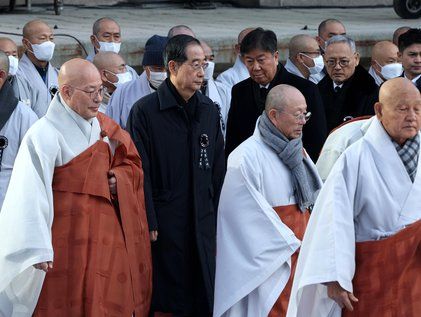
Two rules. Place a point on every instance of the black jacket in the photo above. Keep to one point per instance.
(181, 147)
(356, 97)
(247, 106)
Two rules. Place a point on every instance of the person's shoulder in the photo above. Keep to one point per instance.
(242, 85)
(248, 153)
(25, 112)
(298, 81)
(147, 103)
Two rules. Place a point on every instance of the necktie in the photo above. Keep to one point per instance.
(337, 90)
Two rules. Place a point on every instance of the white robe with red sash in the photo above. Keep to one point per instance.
(367, 196)
(27, 213)
(254, 246)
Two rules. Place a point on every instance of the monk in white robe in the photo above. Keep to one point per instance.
(361, 250)
(338, 141)
(75, 200)
(15, 120)
(35, 66)
(262, 214)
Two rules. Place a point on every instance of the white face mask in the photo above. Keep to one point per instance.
(109, 46)
(389, 71)
(157, 78)
(121, 78)
(209, 71)
(318, 64)
(13, 65)
(44, 51)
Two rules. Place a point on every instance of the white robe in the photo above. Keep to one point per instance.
(220, 94)
(337, 142)
(28, 71)
(24, 91)
(124, 97)
(27, 213)
(254, 246)
(375, 76)
(314, 78)
(233, 75)
(367, 196)
(14, 130)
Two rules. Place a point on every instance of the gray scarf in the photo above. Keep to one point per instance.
(304, 179)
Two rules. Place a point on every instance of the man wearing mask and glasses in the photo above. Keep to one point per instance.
(261, 57)
(114, 73)
(35, 66)
(348, 91)
(269, 186)
(76, 202)
(177, 132)
(106, 37)
(384, 62)
(154, 74)
(305, 59)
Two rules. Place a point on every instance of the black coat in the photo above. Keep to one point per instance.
(181, 195)
(356, 97)
(247, 105)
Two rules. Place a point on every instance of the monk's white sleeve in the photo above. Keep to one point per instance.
(254, 247)
(25, 225)
(328, 249)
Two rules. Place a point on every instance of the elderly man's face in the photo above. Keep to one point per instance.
(340, 62)
(9, 48)
(109, 32)
(290, 120)
(40, 33)
(411, 60)
(262, 66)
(86, 96)
(189, 75)
(401, 117)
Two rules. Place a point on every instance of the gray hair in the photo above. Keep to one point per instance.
(4, 62)
(342, 39)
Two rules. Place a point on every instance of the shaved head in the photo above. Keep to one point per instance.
(76, 71)
(108, 60)
(35, 27)
(207, 50)
(393, 89)
(384, 49)
(8, 46)
(399, 109)
(398, 32)
(302, 43)
(243, 33)
(279, 97)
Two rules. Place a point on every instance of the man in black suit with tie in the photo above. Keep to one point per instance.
(260, 55)
(348, 91)
(410, 55)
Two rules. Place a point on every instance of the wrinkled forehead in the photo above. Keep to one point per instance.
(7, 45)
(338, 50)
(38, 30)
(108, 26)
(195, 52)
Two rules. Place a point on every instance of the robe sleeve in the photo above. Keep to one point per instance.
(25, 225)
(328, 250)
(137, 128)
(253, 246)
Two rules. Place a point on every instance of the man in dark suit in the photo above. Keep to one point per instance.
(410, 55)
(348, 91)
(260, 55)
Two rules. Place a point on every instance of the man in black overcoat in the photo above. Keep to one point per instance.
(260, 55)
(348, 91)
(177, 133)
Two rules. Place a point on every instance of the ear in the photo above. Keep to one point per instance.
(378, 109)
(3, 75)
(65, 92)
(399, 56)
(272, 115)
(237, 48)
(319, 41)
(299, 58)
(94, 41)
(276, 55)
(26, 44)
(357, 58)
(173, 67)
